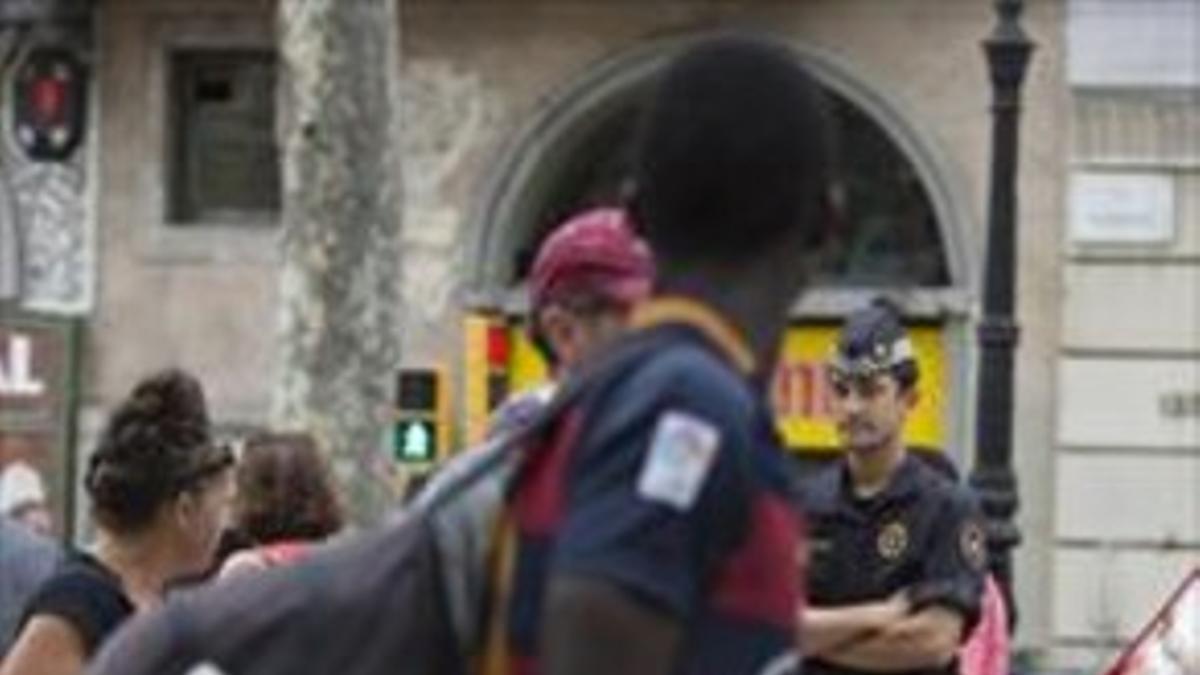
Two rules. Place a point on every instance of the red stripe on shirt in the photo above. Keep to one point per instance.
(752, 584)
(539, 502)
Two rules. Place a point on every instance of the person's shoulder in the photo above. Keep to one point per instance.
(944, 492)
(86, 596)
(680, 355)
(79, 576)
(690, 373)
(679, 391)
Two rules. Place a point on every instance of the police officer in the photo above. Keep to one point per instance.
(898, 550)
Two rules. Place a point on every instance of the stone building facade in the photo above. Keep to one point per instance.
(501, 100)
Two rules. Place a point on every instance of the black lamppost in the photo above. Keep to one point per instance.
(1008, 50)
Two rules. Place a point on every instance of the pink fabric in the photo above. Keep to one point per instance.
(284, 552)
(264, 557)
(986, 650)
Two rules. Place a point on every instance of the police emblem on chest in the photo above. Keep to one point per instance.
(892, 541)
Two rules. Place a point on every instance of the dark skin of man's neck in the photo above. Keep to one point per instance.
(754, 300)
(593, 627)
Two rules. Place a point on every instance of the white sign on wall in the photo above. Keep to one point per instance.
(1133, 43)
(16, 368)
(1132, 208)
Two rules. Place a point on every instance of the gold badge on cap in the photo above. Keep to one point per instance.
(973, 544)
(892, 541)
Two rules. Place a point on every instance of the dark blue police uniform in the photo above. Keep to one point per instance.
(922, 534)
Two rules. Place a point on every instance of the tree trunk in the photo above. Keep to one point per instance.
(340, 283)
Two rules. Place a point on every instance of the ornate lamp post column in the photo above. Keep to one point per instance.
(1008, 50)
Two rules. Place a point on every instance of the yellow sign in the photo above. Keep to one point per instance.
(801, 394)
(476, 371)
(528, 368)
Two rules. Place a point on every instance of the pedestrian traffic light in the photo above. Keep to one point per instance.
(49, 103)
(421, 430)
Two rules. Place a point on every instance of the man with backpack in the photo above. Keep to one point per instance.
(649, 531)
(588, 275)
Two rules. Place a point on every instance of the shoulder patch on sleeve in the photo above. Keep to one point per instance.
(682, 452)
(972, 543)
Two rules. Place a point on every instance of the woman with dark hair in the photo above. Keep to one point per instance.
(285, 501)
(159, 488)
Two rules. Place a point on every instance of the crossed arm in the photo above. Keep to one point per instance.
(883, 636)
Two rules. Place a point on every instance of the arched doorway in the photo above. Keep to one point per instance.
(909, 223)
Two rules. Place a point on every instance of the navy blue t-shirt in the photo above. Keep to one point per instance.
(668, 484)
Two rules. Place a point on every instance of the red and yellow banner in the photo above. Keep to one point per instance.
(800, 394)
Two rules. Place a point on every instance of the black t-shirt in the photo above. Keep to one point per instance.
(85, 594)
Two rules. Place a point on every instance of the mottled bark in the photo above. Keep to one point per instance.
(10, 244)
(340, 286)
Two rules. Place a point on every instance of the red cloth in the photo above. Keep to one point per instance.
(595, 251)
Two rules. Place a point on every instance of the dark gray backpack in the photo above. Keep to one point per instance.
(376, 604)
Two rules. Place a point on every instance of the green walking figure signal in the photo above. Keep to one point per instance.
(414, 442)
(421, 430)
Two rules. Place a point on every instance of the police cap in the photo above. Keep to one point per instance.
(872, 341)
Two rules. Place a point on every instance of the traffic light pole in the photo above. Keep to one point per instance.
(1008, 51)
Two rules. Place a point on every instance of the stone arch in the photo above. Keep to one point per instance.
(503, 218)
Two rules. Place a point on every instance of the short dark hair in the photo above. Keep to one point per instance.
(284, 490)
(733, 153)
(157, 444)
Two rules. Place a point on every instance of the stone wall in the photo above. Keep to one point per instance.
(476, 76)
(1127, 437)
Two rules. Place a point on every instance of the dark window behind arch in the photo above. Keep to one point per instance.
(892, 236)
(224, 164)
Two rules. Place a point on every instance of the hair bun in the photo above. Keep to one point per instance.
(171, 395)
(156, 438)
